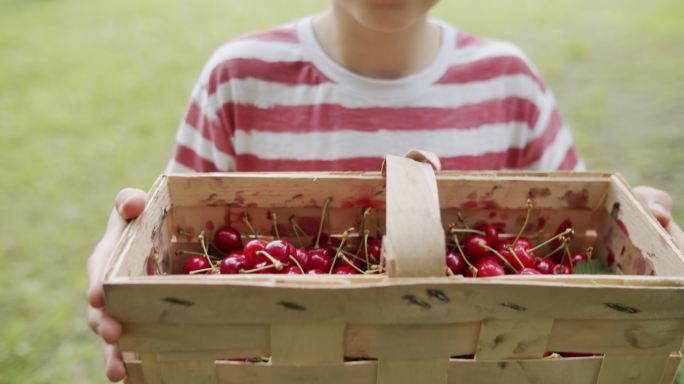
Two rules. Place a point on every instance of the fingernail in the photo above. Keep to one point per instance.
(660, 209)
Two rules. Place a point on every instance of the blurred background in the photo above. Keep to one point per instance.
(91, 93)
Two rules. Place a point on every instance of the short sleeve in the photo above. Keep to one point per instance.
(550, 146)
(204, 142)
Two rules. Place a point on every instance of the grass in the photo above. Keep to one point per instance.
(91, 94)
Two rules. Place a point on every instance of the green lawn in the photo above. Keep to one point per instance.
(91, 93)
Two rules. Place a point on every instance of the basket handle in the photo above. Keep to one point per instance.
(414, 242)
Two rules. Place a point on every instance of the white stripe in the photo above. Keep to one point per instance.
(194, 140)
(175, 167)
(554, 153)
(265, 94)
(348, 143)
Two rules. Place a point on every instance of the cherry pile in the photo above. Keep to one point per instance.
(482, 251)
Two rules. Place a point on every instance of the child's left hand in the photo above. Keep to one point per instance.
(660, 204)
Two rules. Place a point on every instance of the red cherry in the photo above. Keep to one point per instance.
(196, 263)
(291, 270)
(491, 234)
(545, 266)
(529, 271)
(374, 250)
(303, 259)
(279, 249)
(576, 258)
(345, 270)
(561, 269)
(233, 263)
(227, 239)
(326, 239)
(319, 259)
(264, 264)
(488, 266)
(348, 261)
(517, 252)
(475, 247)
(316, 271)
(524, 243)
(455, 262)
(252, 249)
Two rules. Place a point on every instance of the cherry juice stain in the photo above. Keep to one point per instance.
(577, 199)
(610, 257)
(622, 226)
(538, 192)
(362, 202)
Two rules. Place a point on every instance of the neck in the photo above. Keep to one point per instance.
(376, 54)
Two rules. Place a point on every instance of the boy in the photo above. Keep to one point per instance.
(338, 90)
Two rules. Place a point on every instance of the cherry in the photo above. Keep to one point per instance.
(513, 253)
(196, 263)
(233, 263)
(455, 262)
(326, 239)
(545, 266)
(476, 247)
(345, 270)
(316, 271)
(488, 266)
(227, 239)
(252, 249)
(291, 270)
(264, 264)
(280, 250)
(491, 234)
(348, 261)
(561, 269)
(319, 259)
(374, 250)
(576, 258)
(529, 271)
(303, 259)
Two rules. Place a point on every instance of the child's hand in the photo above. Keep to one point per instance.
(660, 204)
(129, 204)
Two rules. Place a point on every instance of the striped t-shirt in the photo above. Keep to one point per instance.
(274, 101)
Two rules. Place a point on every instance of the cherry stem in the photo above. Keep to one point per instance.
(257, 269)
(185, 233)
(510, 249)
(276, 263)
(566, 253)
(197, 271)
(274, 217)
(353, 256)
(298, 265)
(365, 247)
(567, 232)
(324, 214)
(204, 249)
(364, 217)
(467, 230)
(589, 253)
(297, 230)
(245, 219)
(500, 256)
(352, 264)
(527, 220)
(560, 247)
(474, 271)
(338, 251)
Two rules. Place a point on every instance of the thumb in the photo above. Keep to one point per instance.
(657, 201)
(130, 203)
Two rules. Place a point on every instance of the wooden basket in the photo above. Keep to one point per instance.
(408, 325)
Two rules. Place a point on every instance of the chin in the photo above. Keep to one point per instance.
(387, 15)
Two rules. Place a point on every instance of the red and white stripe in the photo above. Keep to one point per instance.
(262, 105)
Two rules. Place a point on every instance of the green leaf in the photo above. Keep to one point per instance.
(591, 267)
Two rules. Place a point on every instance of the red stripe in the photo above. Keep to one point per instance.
(464, 40)
(332, 117)
(286, 35)
(251, 163)
(570, 161)
(512, 158)
(189, 158)
(285, 72)
(210, 130)
(487, 69)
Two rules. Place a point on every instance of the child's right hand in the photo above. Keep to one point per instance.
(128, 205)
